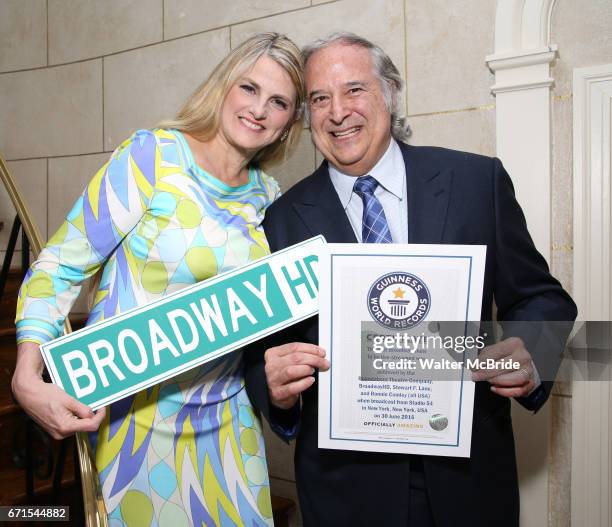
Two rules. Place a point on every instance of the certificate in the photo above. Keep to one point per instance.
(394, 319)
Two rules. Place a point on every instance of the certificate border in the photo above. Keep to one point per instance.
(331, 334)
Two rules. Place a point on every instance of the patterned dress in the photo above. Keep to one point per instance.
(188, 451)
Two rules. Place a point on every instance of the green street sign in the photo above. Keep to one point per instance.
(122, 355)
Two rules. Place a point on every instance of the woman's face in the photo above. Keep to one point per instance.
(258, 108)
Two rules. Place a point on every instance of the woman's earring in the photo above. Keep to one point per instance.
(283, 137)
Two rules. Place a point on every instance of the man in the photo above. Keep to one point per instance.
(427, 195)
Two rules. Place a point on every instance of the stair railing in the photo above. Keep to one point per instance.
(93, 502)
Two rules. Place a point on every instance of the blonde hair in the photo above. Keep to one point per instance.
(201, 113)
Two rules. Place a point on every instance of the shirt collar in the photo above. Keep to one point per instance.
(389, 171)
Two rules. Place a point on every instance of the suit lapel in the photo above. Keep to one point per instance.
(322, 212)
(428, 189)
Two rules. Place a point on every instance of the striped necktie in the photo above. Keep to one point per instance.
(374, 226)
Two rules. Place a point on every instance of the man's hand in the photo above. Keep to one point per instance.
(518, 382)
(290, 370)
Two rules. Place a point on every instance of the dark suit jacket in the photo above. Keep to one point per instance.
(455, 198)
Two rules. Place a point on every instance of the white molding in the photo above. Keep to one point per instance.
(522, 25)
(521, 64)
(518, 59)
(503, 88)
(522, 70)
(592, 401)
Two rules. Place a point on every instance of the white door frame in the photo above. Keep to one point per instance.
(592, 400)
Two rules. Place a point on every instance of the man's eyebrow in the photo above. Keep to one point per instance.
(349, 84)
(352, 84)
(314, 93)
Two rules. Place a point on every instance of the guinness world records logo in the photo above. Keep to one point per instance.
(398, 300)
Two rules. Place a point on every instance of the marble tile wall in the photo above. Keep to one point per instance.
(83, 29)
(23, 34)
(561, 189)
(51, 111)
(146, 85)
(437, 34)
(185, 17)
(469, 130)
(380, 21)
(560, 461)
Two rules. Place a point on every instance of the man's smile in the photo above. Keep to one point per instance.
(349, 132)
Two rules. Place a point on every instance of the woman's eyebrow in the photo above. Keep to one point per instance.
(258, 87)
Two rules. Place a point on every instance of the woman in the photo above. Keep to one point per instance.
(173, 206)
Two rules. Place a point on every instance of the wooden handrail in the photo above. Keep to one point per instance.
(94, 508)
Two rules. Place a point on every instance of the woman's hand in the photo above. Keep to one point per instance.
(50, 406)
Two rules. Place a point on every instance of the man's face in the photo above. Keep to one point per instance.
(349, 121)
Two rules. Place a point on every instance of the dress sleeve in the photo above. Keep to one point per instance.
(111, 205)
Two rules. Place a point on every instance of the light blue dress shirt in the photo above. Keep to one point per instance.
(390, 172)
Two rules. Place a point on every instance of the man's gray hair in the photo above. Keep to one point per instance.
(384, 69)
